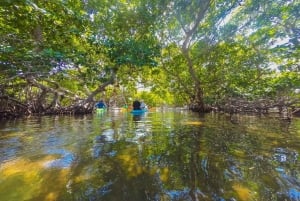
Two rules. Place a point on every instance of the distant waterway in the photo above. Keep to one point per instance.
(159, 156)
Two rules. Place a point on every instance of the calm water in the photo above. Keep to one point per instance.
(168, 156)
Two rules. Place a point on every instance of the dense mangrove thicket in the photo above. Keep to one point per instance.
(59, 57)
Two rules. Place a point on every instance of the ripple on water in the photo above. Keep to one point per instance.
(9, 148)
(65, 161)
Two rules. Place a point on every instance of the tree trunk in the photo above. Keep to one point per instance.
(197, 102)
(102, 87)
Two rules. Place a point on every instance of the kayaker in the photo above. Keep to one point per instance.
(101, 104)
(136, 105)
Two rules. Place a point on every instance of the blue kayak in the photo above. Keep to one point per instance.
(137, 112)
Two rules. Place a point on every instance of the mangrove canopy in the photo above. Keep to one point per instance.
(233, 55)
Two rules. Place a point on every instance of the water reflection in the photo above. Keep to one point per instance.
(137, 118)
(64, 160)
(164, 156)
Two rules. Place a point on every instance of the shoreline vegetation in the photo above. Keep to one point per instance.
(60, 57)
(12, 108)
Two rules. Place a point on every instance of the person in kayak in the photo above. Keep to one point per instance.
(101, 104)
(136, 105)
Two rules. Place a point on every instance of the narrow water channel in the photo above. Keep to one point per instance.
(160, 156)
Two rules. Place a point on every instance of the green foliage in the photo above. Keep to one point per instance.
(234, 49)
(132, 53)
(285, 84)
(80, 44)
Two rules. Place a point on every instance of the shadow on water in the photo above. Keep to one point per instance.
(168, 156)
(137, 117)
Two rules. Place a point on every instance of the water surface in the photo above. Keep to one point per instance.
(163, 156)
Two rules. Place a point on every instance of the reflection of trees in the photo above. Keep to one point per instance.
(205, 161)
(156, 160)
(218, 161)
(118, 177)
(189, 166)
(132, 179)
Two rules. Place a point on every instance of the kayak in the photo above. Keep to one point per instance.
(100, 110)
(138, 112)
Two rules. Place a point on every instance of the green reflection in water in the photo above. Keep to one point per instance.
(157, 156)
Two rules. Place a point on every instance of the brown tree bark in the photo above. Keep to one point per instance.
(197, 100)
